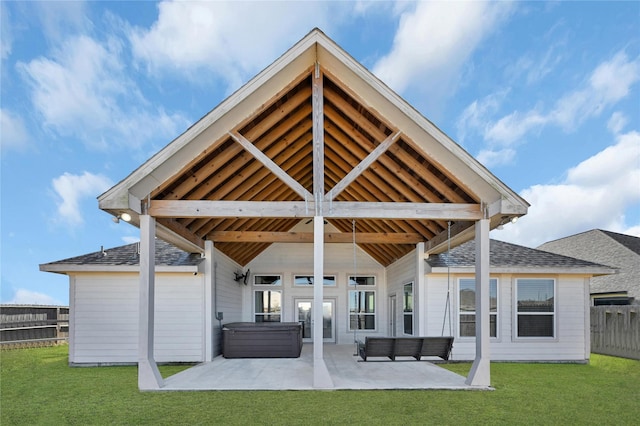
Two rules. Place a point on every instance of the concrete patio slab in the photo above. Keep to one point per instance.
(347, 372)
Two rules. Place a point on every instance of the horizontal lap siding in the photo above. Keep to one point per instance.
(569, 344)
(229, 297)
(398, 274)
(106, 318)
(297, 259)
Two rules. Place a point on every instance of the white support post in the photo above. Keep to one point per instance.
(209, 302)
(149, 377)
(480, 374)
(419, 296)
(321, 376)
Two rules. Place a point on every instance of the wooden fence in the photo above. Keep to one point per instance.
(33, 325)
(615, 330)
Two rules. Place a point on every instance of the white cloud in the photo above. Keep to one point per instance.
(28, 297)
(491, 158)
(231, 39)
(514, 126)
(13, 132)
(6, 34)
(595, 194)
(610, 82)
(477, 113)
(617, 122)
(72, 189)
(60, 18)
(433, 41)
(130, 239)
(83, 91)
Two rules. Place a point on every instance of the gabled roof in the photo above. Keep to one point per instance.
(315, 131)
(590, 240)
(621, 251)
(507, 257)
(127, 258)
(628, 241)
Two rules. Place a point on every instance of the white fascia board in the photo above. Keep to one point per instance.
(590, 271)
(70, 268)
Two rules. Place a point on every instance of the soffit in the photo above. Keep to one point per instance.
(283, 131)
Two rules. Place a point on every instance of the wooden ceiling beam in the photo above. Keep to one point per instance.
(364, 165)
(224, 160)
(318, 138)
(389, 171)
(268, 123)
(412, 163)
(254, 176)
(299, 209)
(271, 165)
(387, 187)
(341, 104)
(307, 237)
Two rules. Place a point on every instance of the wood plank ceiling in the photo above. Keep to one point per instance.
(283, 131)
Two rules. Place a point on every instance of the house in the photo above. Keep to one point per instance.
(539, 308)
(324, 187)
(619, 251)
(550, 325)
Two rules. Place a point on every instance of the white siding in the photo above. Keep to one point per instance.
(570, 343)
(105, 319)
(229, 297)
(400, 273)
(293, 259)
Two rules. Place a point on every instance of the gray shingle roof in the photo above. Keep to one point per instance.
(610, 248)
(630, 242)
(507, 255)
(166, 255)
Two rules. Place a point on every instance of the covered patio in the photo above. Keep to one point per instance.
(346, 370)
(314, 138)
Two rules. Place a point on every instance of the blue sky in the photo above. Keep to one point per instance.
(544, 94)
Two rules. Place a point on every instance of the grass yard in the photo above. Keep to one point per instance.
(37, 387)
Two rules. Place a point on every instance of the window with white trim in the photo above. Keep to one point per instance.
(362, 310)
(407, 308)
(274, 280)
(536, 307)
(362, 280)
(267, 305)
(307, 280)
(362, 303)
(467, 307)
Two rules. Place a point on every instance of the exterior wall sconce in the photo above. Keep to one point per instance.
(124, 216)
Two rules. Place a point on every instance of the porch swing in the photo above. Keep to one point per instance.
(416, 347)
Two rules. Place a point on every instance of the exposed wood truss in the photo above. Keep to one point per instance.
(313, 149)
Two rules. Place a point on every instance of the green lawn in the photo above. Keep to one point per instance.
(37, 387)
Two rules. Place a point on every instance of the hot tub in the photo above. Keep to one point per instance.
(262, 340)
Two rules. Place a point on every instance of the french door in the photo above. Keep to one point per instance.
(304, 308)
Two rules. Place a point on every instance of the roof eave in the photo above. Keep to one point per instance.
(528, 270)
(67, 268)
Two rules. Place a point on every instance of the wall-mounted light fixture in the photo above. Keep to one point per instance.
(124, 216)
(505, 220)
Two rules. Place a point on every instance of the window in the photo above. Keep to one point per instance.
(268, 306)
(362, 310)
(307, 280)
(467, 307)
(267, 280)
(407, 303)
(362, 280)
(536, 307)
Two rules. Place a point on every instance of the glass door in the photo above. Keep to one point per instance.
(305, 316)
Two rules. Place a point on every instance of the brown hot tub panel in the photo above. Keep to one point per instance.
(262, 340)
